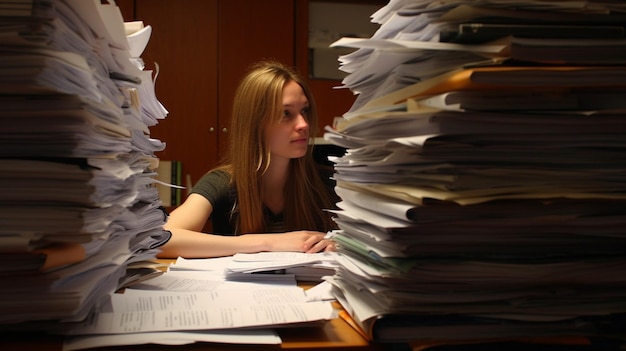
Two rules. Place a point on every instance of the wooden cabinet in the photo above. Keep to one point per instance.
(184, 45)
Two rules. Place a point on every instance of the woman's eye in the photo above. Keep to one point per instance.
(288, 114)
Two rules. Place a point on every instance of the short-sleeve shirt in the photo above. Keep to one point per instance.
(216, 187)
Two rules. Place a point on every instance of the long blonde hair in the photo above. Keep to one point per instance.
(257, 104)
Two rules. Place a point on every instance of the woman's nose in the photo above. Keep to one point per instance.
(301, 122)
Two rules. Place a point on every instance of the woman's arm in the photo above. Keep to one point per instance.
(187, 221)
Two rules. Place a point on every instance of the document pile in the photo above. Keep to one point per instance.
(483, 192)
(77, 209)
(304, 267)
(196, 300)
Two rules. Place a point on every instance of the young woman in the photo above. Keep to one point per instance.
(268, 195)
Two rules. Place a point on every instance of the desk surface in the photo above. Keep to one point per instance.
(334, 334)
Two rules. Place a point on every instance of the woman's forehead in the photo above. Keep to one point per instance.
(293, 95)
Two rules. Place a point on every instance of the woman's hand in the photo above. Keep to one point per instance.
(301, 241)
(315, 243)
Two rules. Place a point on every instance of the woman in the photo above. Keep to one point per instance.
(269, 183)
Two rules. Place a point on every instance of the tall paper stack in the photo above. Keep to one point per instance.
(482, 192)
(77, 206)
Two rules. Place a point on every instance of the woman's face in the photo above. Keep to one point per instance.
(289, 137)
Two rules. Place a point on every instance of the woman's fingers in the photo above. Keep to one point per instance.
(322, 245)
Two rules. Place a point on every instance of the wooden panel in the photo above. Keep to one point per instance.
(332, 102)
(184, 44)
(127, 8)
(250, 31)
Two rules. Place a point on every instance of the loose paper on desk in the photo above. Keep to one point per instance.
(267, 261)
(292, 265)
(149, 311)
(188, 275)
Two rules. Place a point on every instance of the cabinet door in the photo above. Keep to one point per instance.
(249, 31)
(184, 45)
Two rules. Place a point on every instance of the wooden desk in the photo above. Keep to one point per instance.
(335, 334)
(332, 335)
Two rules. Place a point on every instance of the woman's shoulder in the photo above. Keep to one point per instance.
(216, 175)
(213, 184)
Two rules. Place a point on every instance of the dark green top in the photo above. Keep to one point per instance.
(215, 186)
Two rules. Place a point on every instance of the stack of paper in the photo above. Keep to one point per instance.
(305, 267)
(265, 265)
(484, 199)
(77, 205)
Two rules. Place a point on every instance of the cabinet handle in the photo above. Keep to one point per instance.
(225, 130)
(211, 129)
